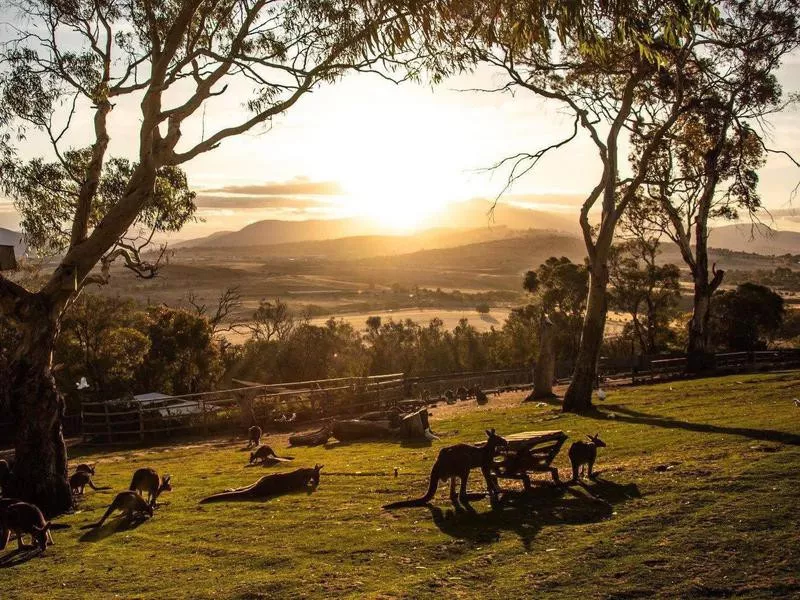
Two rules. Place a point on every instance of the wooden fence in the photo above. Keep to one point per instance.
(274, 407)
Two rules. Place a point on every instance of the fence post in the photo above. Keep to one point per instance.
(141, 422)
(205, 416)
(108, 424)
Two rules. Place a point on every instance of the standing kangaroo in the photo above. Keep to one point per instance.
(584, 453)
(21, 518)
(272, 485)
(80, 480)
(130, 502)
(458, 461)
(147, 480)
(84, 468)
(254, 436)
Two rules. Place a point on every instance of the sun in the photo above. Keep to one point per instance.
(395, 204)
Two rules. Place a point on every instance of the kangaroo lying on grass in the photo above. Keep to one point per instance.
(80, 480)
(23, 518)
(272, 485)
(130, 502)
(254, 436)
(147, 480)
(266, 454)
(458, 461)
(584, 453)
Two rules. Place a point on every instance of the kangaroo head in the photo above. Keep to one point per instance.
(40, 534)
(166, 484)
(596, 440)
(495, 439)
(315, 474)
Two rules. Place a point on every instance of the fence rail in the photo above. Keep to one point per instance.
(273, 406)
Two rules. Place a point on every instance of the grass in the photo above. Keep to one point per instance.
(697, 497)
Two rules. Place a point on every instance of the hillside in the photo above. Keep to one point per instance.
(759, 239)
(691, 501)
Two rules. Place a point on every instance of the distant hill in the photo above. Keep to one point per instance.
(758, 239)
(470, 215)
(275, 231)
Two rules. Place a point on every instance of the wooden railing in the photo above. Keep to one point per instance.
(274, 406)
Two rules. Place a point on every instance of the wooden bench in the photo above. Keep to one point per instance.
(528, 452)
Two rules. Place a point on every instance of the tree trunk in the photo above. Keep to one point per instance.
(40, 469)
(544, 370)
(578, 398)
(698, 356)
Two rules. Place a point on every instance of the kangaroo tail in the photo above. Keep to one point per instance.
(234, 495)
(102, 520)
(432, 486)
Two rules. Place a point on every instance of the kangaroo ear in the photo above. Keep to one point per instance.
(318, 467)
(167, 478)
(590, 437)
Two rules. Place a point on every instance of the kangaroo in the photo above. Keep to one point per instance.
(584, 453)
(272, 485)
(462, 393)
(147, 480)
(458, 461)
(21, 518)
(254, 436)
(266, 454)
(450, 397)
(80, 480)
(480, 396)
(84, 468)
(130, 502)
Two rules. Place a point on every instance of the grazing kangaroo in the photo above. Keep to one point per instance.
(254, 436)
(80, 480)
(584, 453)
(462, 393)
(450, 397)
(272, 485)
(458, 461)
(21, 518)
(84, 468)
(264, 454)
(147, 480)
(130, 502)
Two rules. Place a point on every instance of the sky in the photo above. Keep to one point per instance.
(398, 155)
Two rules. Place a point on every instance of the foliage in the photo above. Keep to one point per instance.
(746, 318)
(183, 356)
(483, 308)
(647, 291)
(561, 287)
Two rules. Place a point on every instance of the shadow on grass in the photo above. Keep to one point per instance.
(109, 528)
(18, 557)
(525, 514)
(628, 415)
(422, 443)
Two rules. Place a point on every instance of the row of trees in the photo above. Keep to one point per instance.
(682, 82)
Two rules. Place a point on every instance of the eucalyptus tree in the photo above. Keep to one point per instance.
(66, 66)
(623, 80)
(707, 168)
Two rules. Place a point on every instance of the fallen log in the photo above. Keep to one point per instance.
(313, 438)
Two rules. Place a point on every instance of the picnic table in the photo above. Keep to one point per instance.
(528, 452)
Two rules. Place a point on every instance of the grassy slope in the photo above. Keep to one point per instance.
(723, 520)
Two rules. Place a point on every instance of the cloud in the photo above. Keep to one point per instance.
(298, 186)
(255, 201)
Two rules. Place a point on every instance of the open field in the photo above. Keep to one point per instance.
(697, 497)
